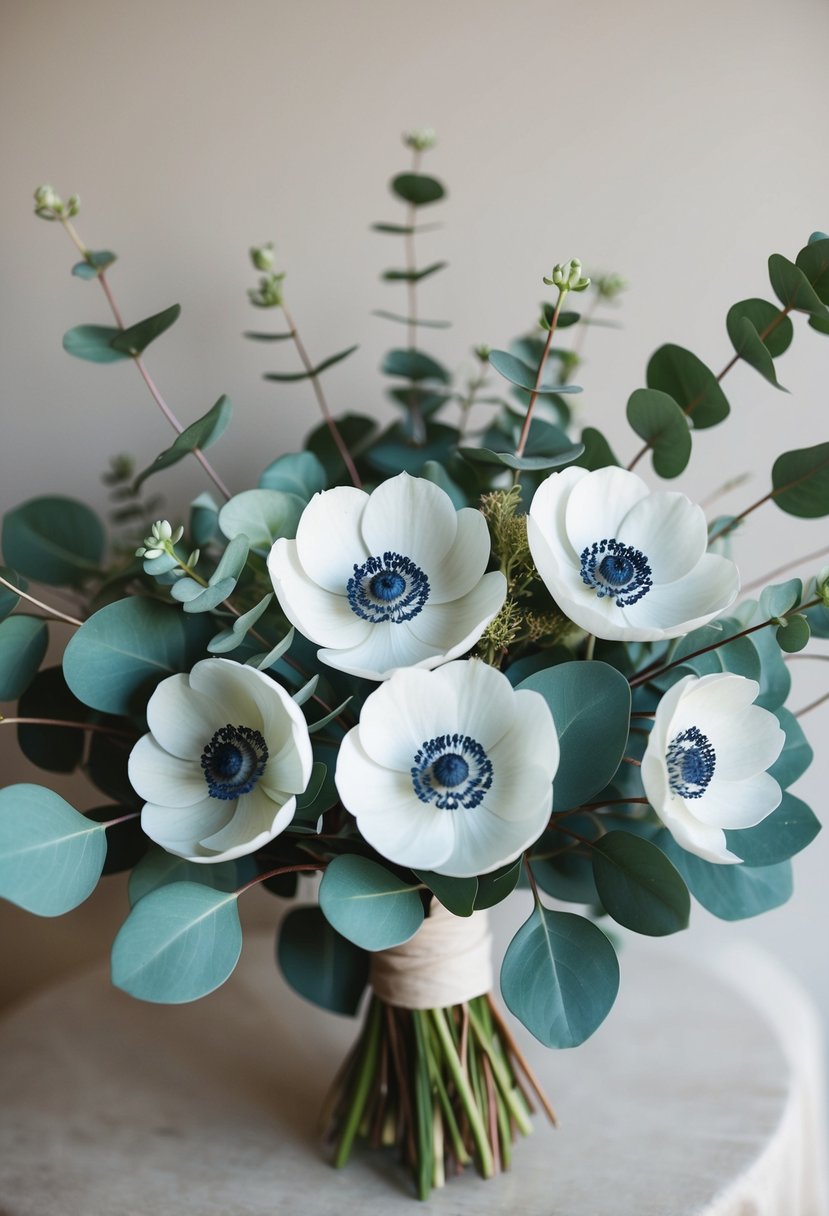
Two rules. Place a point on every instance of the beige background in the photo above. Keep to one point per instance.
(679, 145)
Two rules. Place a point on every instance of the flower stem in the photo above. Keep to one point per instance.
(334, 430)
(279, 870)
(53, 612)
(525, 429)
(772, 574)
(464, 1091)
(365, 1077)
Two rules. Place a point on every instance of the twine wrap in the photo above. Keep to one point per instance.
(447, 962)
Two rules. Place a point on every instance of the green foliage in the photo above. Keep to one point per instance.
(292, 377)
(230, 639)
(778, 598)
(657, 419)
(23, 642)
(597, 453)
(496, 886)
(417, 189)
(590, 704)
(159, 868)
(414, 365)
(94, 263)
(680, 374)
(412, 276)
(759, 332)
(135, 339)
(93, 343)
(800, 481)
(356, 429)
(529, 464)
(368, 904)
(394, 451)
(262, 516)
(731, 892)
(793, 634)
(559, 977)
(178, 943)
(58, 749)
(793, 289)
(298, 473)
(519, 373)
(54, 540)
(9, 599)
(321, 965)
(638, 886)
(200, 434)
(778, 837)
(51, 856)
(116, 658)
(458, 895)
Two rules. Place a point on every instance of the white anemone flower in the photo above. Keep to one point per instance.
(391, 579)
(625, 563)
(226, 755)
(450, 770)
(704, 769)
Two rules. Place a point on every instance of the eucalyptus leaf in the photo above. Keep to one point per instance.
(731, 892)
(262, 516)
(321, 965)
(54, 540)
(51, 856)
(597, 453)
(813, 260)
(292, 377)
(792, 287)
(200, 434)
(560, 977)
(356, 430)
(230, 639)
(638, 886)
(180, 942)
(779, 836)
(136, 338)
(58, 749)
(368, 904)
(93, 264)
(794, 634)
(800, 481)
(413, 276)
(680, 374)
(497, 885)
(232, 562)
(265, 661)
(797, 753)
(159, 868)
(206, 598)
(299, 473)
(418, 322)
(417, 188)
(534, 464)
(93, 343)
(414, 365)
(590, 704)
(260, 337)
(9, 599)
(519, 373)
(779, 598)
(656, 418)
(23, 642)
(204, 519)
(457, 895)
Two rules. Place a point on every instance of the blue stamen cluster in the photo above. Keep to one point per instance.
(618, 570)
(691, 761)
(233, 761)
(387, 588)
(452, 771)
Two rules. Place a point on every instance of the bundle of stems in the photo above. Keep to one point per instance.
(448, 1087)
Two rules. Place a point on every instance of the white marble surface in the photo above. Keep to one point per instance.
(116, 1108)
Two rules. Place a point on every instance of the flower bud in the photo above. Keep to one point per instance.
(483, 352)
(262, 256)
(421, 139)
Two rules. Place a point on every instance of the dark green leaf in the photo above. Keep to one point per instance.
(794, 635)
(414, 365)
(126, 843)
(93, 343)
(417, 188)
(519, 373)
(51, 856)
(796, 755)
(495, 887)
(321, 965)
(749, 346)
(792, 287)
(291, 377)
(58, 749)
(590, 704)
(774, 329)
(457, 895)
(638, 886)
(813, 260)
(257, 337)
(597, 452)
(200, 434)
(10, 599)
(729, 891)
(396, 316)
(54, 540)
(94, 263)
(779, 836)
(136, 338)
(412, 276)
(394, 451)
(536, 464)
(23, 642)
(656, 418)
(680, 374)
(356, 431)
(178, 943)
(560, 977)
(801, 482)
(368, 904)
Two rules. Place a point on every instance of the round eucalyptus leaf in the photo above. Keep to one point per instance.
(51, 856)
(10, 599)
(414, 365)
(53, 540)
(813, 260)
(731, 892)
(178, 943)
(773, 328)
(319, 964)
(801, 482)
(638, 886)
(590, 704)
(158, 869)
(794, 635)
(262, 516)
(23, 642)
(656, 418)
(116, 658)
(779, 836)
(456, 894)
(792, 287)
(368, 904)
(497, 885)
(299, 473)
(797, 753)
(780, 598)
(356, 431)
(93, 343)
(560, 977)
(517, 372)
(680, 374)
(58, 749)
(417, 188)
(597, 453)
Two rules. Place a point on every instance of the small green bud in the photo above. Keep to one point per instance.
(73, 206)
(420, 140)
(50, 206)
(269, 292)
(482, 352)
(822, 585)
(567, 276)
(609, 286)
(262, 256)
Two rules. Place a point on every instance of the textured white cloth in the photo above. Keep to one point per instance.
(447, 962)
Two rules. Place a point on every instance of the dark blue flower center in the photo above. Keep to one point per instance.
(233, 761)
(389, 587)
(617, 570)
(452, 771)
(691, 761)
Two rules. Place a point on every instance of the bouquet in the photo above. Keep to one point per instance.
(471, 653)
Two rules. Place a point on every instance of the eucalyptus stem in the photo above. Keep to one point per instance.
(52, 612)
(334, 430)
(525, 429)
(418, 425)
(797, 561)
(72, 233)
(812, 705)
(90, 726)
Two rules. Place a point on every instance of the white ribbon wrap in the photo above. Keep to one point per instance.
(447, 962)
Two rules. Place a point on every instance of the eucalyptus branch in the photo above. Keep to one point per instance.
(525, 429)
(692, 405)
(765, 579)
(334, 430)
(52, 612)
(650, 673)
(91, 726)
(293, 869)
(72, 233)
(812, 705)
